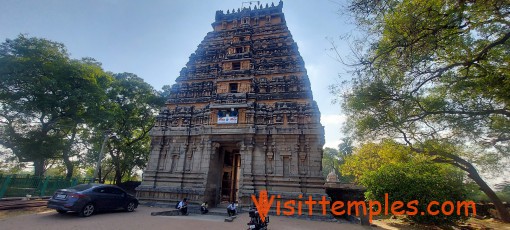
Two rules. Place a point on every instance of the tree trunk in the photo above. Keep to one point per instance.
(69, 167)
(473, 174)
(39, 167)
(118, 176)
(118, 170)
(107, 172)
(99, 175)
(503, 212)
(65, 156)
(116, 165)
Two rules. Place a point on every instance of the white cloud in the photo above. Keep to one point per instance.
(332, 119)
(332, 144)
(332, 129)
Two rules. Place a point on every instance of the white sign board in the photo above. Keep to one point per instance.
(227, 120)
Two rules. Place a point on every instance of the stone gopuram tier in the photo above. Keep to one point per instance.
(239, 119)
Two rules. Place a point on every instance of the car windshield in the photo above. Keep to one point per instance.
(81, 187)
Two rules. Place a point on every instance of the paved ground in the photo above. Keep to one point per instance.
(141, 219)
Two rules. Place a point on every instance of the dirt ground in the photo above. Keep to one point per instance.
(472, 223)
(43, 218)
(18, 212)
(141, 219)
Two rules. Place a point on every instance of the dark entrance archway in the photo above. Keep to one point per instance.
(230, 174)
(224, 174)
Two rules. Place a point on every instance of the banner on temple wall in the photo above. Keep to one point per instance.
(227, 120)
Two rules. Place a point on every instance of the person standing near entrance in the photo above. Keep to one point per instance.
(183, 207)
(231, 209)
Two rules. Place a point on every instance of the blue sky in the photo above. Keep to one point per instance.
(154, 38)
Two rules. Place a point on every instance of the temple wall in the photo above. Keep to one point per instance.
(285, 166)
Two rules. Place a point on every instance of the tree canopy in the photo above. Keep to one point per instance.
(436, 75)
(440, 67)
(54, 108)
(44, 95)
(372, 156)
(332, 159)
(130, 113)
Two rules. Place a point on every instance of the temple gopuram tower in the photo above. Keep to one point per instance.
(240, 118)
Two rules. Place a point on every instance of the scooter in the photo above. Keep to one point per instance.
(256, 222)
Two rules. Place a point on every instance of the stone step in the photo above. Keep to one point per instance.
(221, 211)
(230, 218)
(196, 210)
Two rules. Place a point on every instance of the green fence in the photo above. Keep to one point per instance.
(22, 185)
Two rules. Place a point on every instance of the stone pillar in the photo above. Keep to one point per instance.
(246, 181)
(270, 160)
(210, 184)
(189, 159)
(200, 157)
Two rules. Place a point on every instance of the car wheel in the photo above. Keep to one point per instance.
(61, 211)
(87, 211)
(130, 206)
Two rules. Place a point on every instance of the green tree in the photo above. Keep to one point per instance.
(8, 163)
(45, 96)
(504, 186)
(333, 159)
(129, 113)
(421, 181)
(165, 93)
(330, 161)
(436, 75)
(372, 156)
(394, 168)
(345, 148)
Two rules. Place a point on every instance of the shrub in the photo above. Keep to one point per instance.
(423, 181)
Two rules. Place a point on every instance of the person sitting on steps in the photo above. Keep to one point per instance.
(231, 209)
(203, 208)
(183, 207)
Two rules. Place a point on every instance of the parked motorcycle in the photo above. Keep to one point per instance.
(256, 222)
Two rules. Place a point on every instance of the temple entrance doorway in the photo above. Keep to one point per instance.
(230, 173)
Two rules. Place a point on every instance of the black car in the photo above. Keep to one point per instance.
(89, 198)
